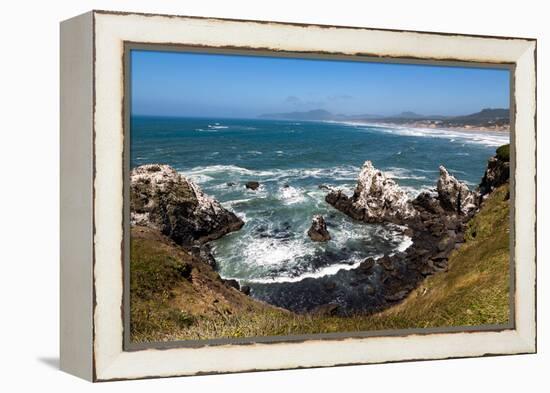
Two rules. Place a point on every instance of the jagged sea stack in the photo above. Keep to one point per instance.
(455, 195)
(318, 231)
(376, 199)
(163, 199)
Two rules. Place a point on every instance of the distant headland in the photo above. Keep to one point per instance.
(488, 119)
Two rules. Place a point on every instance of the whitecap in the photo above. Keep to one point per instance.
(487, 138)
(198, 177)
(402, 173)
(277, 255)
(217, 126)
(291, 195)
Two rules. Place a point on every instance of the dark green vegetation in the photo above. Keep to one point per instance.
(503, 153)
(176, 296)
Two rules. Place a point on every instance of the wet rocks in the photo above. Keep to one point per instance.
(204, 253)
(428, 202)
(163, 199)
(497, 172)
(318, 231)
(395, 297)
(377, 198)
(252, 185)
(454, 195)
(245, 289)
(367, 265)
(232, 283)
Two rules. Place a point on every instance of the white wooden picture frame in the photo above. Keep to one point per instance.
(92, 194)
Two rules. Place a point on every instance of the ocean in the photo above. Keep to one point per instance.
(290, 160)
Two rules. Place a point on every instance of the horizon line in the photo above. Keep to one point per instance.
(259, 116)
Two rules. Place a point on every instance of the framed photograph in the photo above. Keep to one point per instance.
(245, 195)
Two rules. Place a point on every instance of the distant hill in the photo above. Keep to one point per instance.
(317, 114)
(485, 117)
(409, 115)
(486, 114)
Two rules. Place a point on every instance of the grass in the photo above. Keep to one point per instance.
(503, 152)
(167, 305)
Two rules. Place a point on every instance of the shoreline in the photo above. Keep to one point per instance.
(424, 127)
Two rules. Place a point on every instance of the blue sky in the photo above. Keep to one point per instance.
(191, 84)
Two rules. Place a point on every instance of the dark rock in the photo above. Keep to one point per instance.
(163, 199)
(252, 185)
(446, 244)
(326, 187)
(318, 231)
(496, 174)
(427, 201)
(440, 256)
(232, 283)
(245, 289)
(396, 296)
(204, 253)
(184, 270)
(367, 265)
(230, 184)
(386, 262)
(329, 285)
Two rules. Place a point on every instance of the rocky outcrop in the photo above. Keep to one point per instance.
(496, 174)
(434, 220)
(318, 231)
(252, 185)
(436, 228)
(454, 195)
(163, 199)
(376, 199)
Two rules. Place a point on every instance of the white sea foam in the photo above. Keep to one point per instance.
(339, 173)
(266, 252)
(413, 192)
(261, 257)
(230, 204)
(487, 138)
(199, 177)
(290, 195)
(402, 173)
(217, 126)
(273, 252)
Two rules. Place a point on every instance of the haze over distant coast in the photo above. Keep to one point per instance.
(488, 119)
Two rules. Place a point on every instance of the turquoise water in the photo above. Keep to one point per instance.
(291, 159)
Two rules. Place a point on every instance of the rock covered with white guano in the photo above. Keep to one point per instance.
(163, 199)
(377, 198)
(318, 231)
(455, 195)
